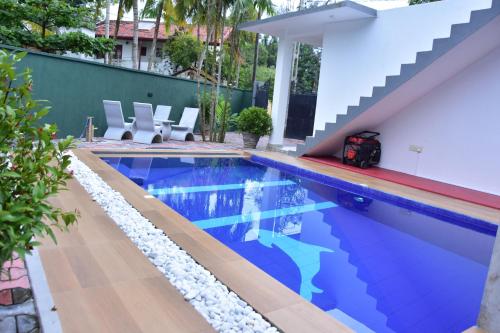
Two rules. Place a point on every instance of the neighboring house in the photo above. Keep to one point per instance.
(123, 50)
(427, 77)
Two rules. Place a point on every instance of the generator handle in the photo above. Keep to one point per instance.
(373, 134)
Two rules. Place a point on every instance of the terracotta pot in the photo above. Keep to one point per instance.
(250, 140)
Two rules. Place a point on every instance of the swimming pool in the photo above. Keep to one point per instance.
(376, 263)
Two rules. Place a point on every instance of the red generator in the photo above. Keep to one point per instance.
(362, 149)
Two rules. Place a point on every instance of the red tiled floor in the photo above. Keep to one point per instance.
(17, 263)
(16, 273)
(452, 191)
(22, 282)
(5, 297)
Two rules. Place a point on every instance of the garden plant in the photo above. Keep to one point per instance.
(33, 167)
(254, 122)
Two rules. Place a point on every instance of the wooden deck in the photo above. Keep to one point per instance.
(101, 282)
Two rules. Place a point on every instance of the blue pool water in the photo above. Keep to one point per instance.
(374, 265)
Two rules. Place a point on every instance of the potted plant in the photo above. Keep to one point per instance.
(254, 122)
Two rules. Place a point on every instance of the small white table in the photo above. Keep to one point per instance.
(167, 129)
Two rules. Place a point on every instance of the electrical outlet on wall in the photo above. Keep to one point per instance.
(416, 149)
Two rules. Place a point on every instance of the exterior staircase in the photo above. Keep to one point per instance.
(402, 87)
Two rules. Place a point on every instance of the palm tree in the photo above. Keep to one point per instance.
(135, 40)
(241, 11)
(172, 14)
(123, 6)
(156, 8)
(107, 58)
(263, 6)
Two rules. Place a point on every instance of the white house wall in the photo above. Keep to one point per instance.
(358, 55)
(161, 66)
(458, 127)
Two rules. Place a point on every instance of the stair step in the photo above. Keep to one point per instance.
(392, 81)
(352, 108)
(408, 70)
(365, 102)
(441, 44)
(461, 29)
(342, 118)
(331, 127)
(380, 91)
(478, 14)
(425, 57)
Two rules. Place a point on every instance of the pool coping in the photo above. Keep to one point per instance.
(280, 305)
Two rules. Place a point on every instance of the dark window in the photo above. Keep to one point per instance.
(159, 52)
(117, 53)
(144, 50)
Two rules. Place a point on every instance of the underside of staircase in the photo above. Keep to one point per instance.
(467, 43)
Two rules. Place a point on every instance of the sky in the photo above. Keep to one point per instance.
(377, 4)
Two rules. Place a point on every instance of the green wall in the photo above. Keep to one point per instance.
(75, 89)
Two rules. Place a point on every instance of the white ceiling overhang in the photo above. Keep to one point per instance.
(307, 26)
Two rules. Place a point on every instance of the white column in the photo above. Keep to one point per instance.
(489, 318)
(281, 90)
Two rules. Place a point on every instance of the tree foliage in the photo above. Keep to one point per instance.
(41, 24)
(183, 50)
(32, 167)
(308, 70)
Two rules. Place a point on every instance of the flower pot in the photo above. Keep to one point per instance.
(250, 140)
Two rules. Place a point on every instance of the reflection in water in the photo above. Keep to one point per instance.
(353, 201)
(290, 196)
(305, 256)
(139, 170)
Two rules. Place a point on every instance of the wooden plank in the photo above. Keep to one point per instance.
(155, 314)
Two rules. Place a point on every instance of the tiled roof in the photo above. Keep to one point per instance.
(126, 31)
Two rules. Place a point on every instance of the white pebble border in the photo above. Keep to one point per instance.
(222, 308)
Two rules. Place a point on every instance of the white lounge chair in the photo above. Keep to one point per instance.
(162, 113)
(184, 131)
(118, 129)
(147, 132)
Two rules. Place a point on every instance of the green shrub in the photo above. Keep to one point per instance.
(32, 167)
(255, 120)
